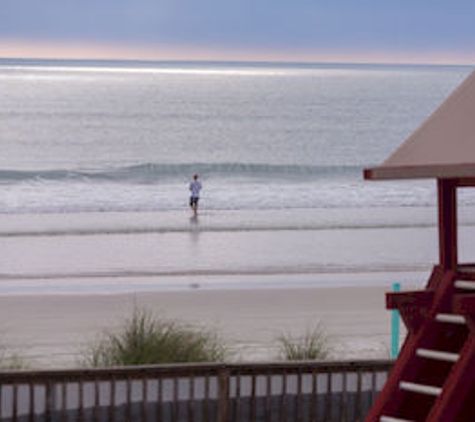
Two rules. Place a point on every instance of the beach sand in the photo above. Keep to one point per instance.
(50, 331)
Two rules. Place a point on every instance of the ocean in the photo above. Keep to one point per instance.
(107, 149)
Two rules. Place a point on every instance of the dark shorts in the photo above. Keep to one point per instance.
(194, 201)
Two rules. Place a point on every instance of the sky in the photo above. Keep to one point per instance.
(394, 31)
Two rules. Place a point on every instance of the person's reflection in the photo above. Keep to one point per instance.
(194, 243)
(195, 230)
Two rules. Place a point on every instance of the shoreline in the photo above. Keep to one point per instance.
(119, 285)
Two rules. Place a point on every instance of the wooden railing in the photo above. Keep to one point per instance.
(277, 392)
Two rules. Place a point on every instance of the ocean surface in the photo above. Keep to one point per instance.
(108, 148)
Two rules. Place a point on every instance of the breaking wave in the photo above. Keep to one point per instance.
(154, 172)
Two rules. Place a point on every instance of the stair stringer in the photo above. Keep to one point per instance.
(457, 401)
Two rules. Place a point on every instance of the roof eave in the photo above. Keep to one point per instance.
(460, 171)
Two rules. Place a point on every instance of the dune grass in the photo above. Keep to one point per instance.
(144, 340)
(312, 345)
(9, 360)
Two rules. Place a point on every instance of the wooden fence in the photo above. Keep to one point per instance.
(278, 392)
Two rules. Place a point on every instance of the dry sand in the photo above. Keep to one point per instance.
(51, 330)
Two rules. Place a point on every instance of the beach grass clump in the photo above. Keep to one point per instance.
(312, 345)
(144, 340)
(10, 361)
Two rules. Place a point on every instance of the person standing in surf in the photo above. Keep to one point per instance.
(195, 188)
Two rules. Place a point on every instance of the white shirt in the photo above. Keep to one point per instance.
(195, 187)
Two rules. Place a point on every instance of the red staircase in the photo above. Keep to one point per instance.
(433, 379)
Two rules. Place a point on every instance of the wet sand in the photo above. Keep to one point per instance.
(65, 279)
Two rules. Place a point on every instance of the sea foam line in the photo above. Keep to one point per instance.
(203, 229)
(273, 271)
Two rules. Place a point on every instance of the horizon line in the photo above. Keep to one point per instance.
(237, 61)
(26, 50)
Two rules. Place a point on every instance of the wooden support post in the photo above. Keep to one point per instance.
(447, 191)
(223, 395)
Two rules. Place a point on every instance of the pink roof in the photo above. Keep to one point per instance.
(443, 146)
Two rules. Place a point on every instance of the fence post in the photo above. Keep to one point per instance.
(50, 402)
(223, 395)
